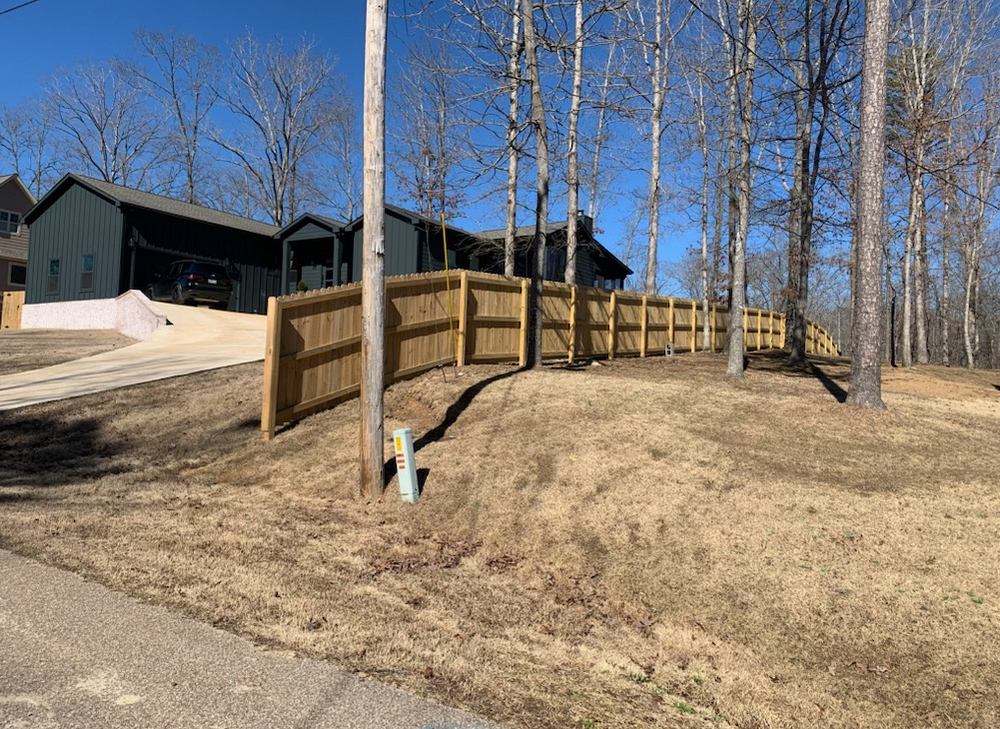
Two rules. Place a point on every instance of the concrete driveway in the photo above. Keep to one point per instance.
(195, 339)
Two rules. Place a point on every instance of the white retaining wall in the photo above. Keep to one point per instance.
(132, 314)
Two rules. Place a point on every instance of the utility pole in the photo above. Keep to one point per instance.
(373, 255)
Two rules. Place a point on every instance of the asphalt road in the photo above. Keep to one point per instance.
(75, 655)
(196, 339)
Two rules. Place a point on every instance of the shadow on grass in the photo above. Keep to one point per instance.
(439, 431)
(777, 361)
(49, 450)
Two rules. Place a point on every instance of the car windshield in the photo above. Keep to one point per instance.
(208, 269)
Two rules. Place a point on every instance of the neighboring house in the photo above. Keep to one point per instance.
(320, 252)
(595, 265)
(94, 240)
(15, 201)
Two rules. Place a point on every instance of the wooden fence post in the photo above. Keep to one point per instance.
(694, 326)
(770, 329)
(463, 313)
(522, 355)
(711, 328)
(272, 356)
(572, 324)
(612, 325)
(760, 329)
(746, 322)
(644, 329)
(670, 323)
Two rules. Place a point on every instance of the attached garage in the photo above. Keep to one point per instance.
(94, 240)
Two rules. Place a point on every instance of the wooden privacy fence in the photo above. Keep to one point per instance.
(313, 353)
(10, 309)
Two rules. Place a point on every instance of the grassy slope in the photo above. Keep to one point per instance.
(631, 544)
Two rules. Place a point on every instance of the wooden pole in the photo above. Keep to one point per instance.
(463, 316)
(522, 355)
(770, 330)
(373, 254)
(572, 325)
(670, 322)
(644, 332)
(694, 326)
(746, 334)
(760, 329)
(715, 314)
(272, 356)
(612, 326)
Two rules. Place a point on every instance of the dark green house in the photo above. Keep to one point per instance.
(91, 239)
(318, 252)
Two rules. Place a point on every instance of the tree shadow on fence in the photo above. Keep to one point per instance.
(440, 430)
(48, 450)
(834, 379)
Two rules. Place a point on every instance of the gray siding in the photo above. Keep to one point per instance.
(76, 223)
(401, 248)
(309, 231)
(586, 269)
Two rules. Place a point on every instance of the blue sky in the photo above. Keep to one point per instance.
(49, 34)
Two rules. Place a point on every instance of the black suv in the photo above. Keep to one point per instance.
(191, 282)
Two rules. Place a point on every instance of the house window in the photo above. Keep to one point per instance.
(17, 274)
(52, 285)
(87, 272)
(9, 222)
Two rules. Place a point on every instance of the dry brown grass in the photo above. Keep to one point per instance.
(632, 544)
(27, 349)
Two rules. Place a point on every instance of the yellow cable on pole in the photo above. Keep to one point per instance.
(447, 281)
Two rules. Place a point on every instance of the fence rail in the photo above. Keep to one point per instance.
(10, 309)
(313, 353)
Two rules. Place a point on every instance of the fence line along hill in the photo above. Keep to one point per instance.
(313, 352)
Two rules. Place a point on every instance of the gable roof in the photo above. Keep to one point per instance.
(14, 179)
(328, 224)
(416, 217)
(526, 231)
(121, 195)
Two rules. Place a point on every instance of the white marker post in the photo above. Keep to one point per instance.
(406, 468)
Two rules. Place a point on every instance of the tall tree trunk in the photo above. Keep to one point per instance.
(656, 131)
(948, 206)
(514, 85)
(706, 161)
(572, 163)
(373, 255)
(542, 187)
(907, 325)
(749, 21)
(920, 287)
(866, 355)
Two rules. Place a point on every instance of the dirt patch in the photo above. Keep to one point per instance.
(30, 349)
(627, 544)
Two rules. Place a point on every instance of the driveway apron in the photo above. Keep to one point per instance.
(195, 339)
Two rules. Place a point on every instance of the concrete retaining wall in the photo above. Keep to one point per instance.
(132, 314)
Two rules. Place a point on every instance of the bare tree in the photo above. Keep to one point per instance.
(287, 107)
(866, 350)
(573, 156)
(184, 81)
(429, 143)
(26, 141)
(745, 66)
(108, 128)
(542, 182)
